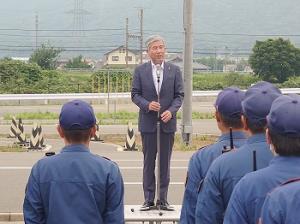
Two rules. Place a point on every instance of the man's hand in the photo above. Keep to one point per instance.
(154, 106)
(166, 116)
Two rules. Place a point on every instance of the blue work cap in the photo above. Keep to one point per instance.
(284, 116)
(258, 100)
(229, 101)
(262, 85)
(77, 115)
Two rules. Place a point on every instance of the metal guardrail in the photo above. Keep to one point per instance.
(120, 95)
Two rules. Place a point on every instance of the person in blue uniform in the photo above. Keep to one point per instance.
(284, 137)
(282, 205)
(74, 186)
(228, 115)
(230, 167)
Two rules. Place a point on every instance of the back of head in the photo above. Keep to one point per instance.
(284, 125)
(76, 120)
(257, 104)
(228, 105)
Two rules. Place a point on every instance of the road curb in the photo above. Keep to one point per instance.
(11, 217)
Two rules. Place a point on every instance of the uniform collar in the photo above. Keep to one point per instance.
(235, 135)
(75, 148)
(257, 138)
(288, 160)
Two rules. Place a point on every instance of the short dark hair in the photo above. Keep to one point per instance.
(77, 136)
(256, 127)
(233, 122)
(284, 145)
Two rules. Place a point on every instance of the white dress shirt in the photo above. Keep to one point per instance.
(154, 75)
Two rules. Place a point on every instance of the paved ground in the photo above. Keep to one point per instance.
(11, 222)
(15, 167)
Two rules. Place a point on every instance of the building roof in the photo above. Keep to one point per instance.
(122, 47)
(196, 66)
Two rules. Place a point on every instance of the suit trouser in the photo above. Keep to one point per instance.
(149, 141)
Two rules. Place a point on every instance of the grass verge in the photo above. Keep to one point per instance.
(197, 142)
(13, 148)
(121, 117)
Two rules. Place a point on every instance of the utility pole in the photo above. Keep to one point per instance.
(215, 63)
(187, 127)
(36, 29)
(126, 43)
(134, 36)
(141, 35)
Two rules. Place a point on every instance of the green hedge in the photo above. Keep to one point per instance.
(19, 77)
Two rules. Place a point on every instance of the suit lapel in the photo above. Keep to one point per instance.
(167, 69)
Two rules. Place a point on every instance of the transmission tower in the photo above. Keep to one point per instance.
(79, 17)
(36, 29)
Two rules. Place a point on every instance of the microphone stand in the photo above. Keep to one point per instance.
(158, 71)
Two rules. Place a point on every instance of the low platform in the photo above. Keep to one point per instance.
(133, 214)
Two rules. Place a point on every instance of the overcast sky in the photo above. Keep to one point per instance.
(220, 17)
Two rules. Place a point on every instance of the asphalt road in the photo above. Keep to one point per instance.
(15, 169)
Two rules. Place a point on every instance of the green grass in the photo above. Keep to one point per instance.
(215, 81)
(198, 115)
(81, 75)
(121, 117)
(13, 148)
(197, 142)
(33, 116)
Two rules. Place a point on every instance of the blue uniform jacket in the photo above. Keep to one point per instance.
(198, 166)
(249, 194)
(223, 175)
(282, 205)
(74, 187)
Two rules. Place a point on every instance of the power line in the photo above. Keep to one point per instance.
(62, 30)
(152, 31)
(52, 36)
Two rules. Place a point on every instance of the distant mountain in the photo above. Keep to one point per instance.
(93, 27)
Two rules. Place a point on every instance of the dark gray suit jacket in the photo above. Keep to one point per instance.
(171, 96)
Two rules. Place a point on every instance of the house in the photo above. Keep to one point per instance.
(229, 68)
(118, 57)
(197, 67)
(248, 69)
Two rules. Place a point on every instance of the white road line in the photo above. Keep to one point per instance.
(121, 167)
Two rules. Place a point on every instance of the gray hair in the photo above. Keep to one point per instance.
(153, 39)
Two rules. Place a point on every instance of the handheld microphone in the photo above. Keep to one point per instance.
(158, 71)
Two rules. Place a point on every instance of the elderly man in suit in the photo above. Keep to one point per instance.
(146, 89)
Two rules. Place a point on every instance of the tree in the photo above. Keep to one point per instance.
(77, 62)
(275, 60)
(18, 77)
(212, 62)
(46, 56)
